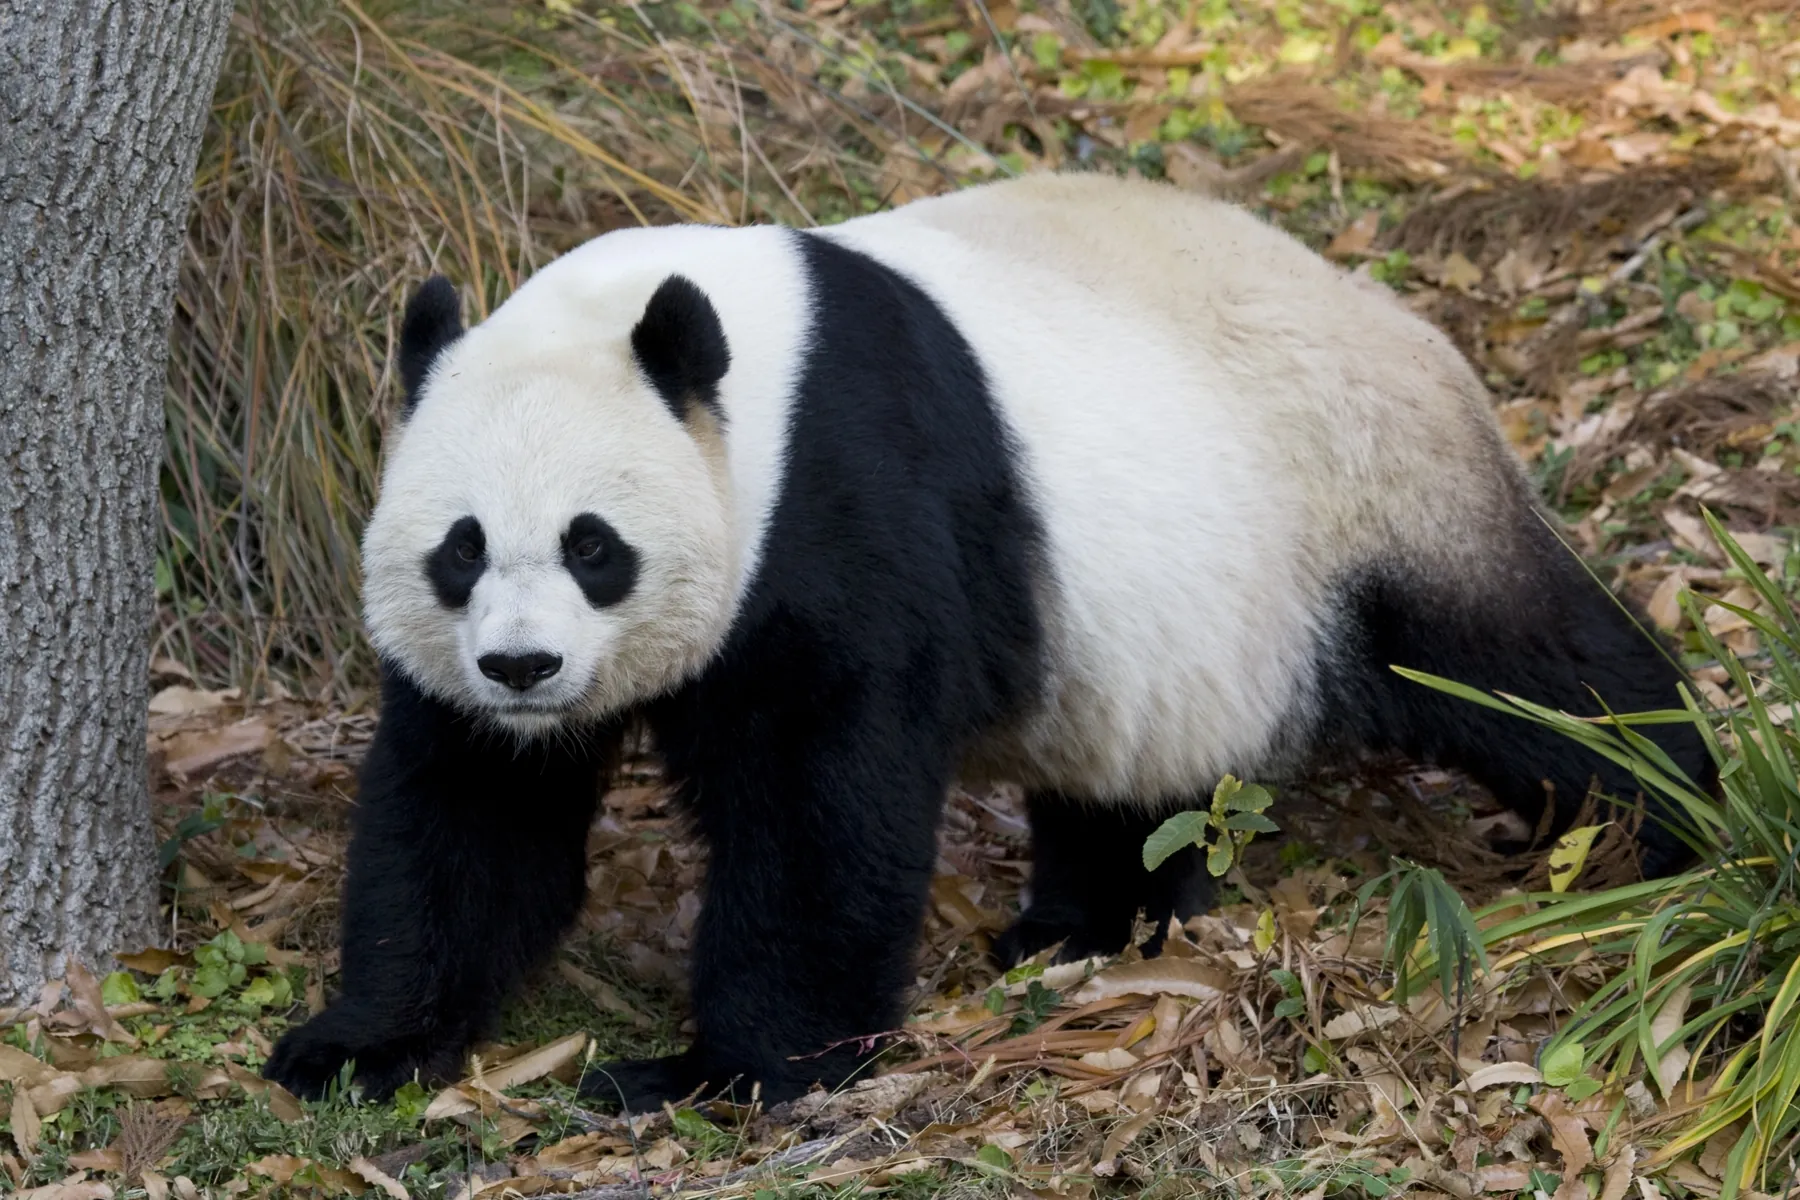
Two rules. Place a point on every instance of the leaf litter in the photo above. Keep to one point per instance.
(1593, 200)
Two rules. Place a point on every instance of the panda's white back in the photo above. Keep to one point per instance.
(1215, 424)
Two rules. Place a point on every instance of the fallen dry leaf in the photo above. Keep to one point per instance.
(190, 752)
(284, 1168)
(107, 1158)
(1360, 1019)
(1509, 1073)
(546, 1060)
(1569, 1134)
(1121, 1137)
(1669, 1018)
(879, 1097)
(74, 1187)
(1504, 1177)
(1357, 238)
(372, 1174)
(18, 1067)
(177, 700)
(1459, 273)
(1618, 1174)
(1115, 1059)
(25, 1125)
(1166, 1017)
(1664, 605)
(1154, 977)
(604, 996)
(85, 991)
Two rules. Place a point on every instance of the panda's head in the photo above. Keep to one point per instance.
(552, 541)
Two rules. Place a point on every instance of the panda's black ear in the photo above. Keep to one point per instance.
(680, 345)
(433, 321)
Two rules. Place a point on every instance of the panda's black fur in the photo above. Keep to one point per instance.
(894, 618)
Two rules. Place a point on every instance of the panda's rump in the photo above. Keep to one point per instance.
(1216, 428)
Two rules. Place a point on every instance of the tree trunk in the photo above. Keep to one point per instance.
(102, 107)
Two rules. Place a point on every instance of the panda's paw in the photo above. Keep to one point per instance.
(308, 1060)
(642, 1084)
(1081, 936)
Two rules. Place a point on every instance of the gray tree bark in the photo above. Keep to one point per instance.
(102, 107)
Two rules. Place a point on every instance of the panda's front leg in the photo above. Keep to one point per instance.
(466, 864)
(820, 823)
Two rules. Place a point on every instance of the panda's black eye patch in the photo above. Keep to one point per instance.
(457, 563)
(604, 564)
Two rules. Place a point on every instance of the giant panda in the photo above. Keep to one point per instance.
(1094, 485)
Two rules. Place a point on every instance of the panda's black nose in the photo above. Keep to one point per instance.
(520, 671)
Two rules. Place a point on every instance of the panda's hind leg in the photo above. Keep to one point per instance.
(1088, 881)
(1554, 636)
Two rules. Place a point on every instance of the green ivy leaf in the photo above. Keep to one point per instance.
(690, 1124)
(1250, 797)
(1562, 1063)
(211, 981)
(1264, 937)
(994, 1156)
(1174, 835)
(1255, 822)
(1022, 972)
(1218, 861)
(167, 984)
(229, 945)
(119, 988)
(1582, 1088)
(410, 1102)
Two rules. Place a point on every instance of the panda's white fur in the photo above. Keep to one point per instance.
(1212, 423)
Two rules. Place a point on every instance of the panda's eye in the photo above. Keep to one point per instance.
(468, 552)
(603, 564)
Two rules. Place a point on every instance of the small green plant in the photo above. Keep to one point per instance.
(1236, 817)
(1431, 934)
(1292, 1004)
(1036, 1002)
(1034, 1006)
(1392, 268)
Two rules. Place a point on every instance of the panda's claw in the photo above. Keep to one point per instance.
(641, 1084)
(644, 1084)
(308, 1060)
(1036, 931)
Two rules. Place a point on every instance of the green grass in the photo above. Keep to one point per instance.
(1698, 976)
